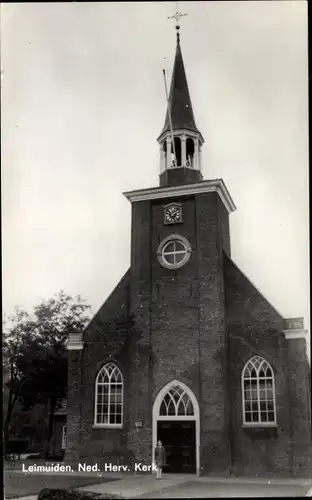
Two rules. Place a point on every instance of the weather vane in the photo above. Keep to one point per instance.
(177, 16)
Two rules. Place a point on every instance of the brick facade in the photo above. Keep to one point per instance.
(198, 324)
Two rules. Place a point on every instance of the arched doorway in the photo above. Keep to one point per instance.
(176, 424)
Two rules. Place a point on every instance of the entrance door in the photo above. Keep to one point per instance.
(178, 438)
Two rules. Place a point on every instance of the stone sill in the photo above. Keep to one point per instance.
(107, 426)
(259, 426)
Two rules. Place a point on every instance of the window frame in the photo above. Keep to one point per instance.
(64, 437)
(172, 238)
(259, 423)
(176, 404)
(108, 425)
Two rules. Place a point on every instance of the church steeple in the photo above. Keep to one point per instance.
(181, 109)
(180, 140)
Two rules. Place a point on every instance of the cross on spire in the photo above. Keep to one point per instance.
(177, 16)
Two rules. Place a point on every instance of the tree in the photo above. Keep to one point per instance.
(14, 376)
(36, 356)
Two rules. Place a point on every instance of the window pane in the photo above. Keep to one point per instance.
(254, 406)
(248, 417)
(163, 410)
(190, 409)
(169, 258)
(271, 416)
(262, 394)
(247, 395)
(179, 257)
(179, 246)
(171, 409)
(255, 416)
(181, 409)
(254, 394)
(169, 247)
(247, 407)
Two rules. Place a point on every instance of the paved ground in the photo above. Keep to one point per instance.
(195, 489)
(20, 485)
(186, 486)
(27, 486)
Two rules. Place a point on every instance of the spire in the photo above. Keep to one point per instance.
(182, 115)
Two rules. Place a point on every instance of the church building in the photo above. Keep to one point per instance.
(185, 349)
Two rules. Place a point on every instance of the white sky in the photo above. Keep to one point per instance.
(83, 101)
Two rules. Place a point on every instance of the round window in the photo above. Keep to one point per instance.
(174, 252)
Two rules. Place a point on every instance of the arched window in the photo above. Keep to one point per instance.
(109, 396)
(190, 152)
(176, 403)
(178, 152)
(258, 392)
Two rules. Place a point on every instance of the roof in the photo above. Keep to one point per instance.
(182, 115)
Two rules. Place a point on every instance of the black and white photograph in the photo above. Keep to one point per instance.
(155, 250)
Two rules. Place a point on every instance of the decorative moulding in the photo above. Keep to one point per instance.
(74, 342)
(294, 329)
(295, 334)
(180, 132)
(216, 185)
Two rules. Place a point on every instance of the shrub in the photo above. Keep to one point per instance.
(63, 494)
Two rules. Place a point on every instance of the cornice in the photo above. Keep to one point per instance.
(216, 185)
(295, 334)
(75, 342)
(179, 132)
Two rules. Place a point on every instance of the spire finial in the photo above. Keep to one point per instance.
(177, 15)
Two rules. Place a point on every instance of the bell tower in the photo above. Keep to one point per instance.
(180, 231)
(180, 140)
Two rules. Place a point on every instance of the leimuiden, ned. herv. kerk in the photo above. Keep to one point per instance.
(186, 349)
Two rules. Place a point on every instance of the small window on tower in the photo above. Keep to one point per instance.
(190, 152)
(174, 252)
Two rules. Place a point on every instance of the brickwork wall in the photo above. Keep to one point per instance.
(179, 319)
(199, 324)
(139, 440)
(72, 453)
(300, 397)
(224, 225)
(105, 339)
(213, 373)
(255, 328)
(179, 176)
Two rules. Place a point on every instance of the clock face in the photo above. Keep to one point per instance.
(172, 214)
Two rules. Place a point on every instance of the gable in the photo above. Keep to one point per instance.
(245, 304)
(110, 324)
